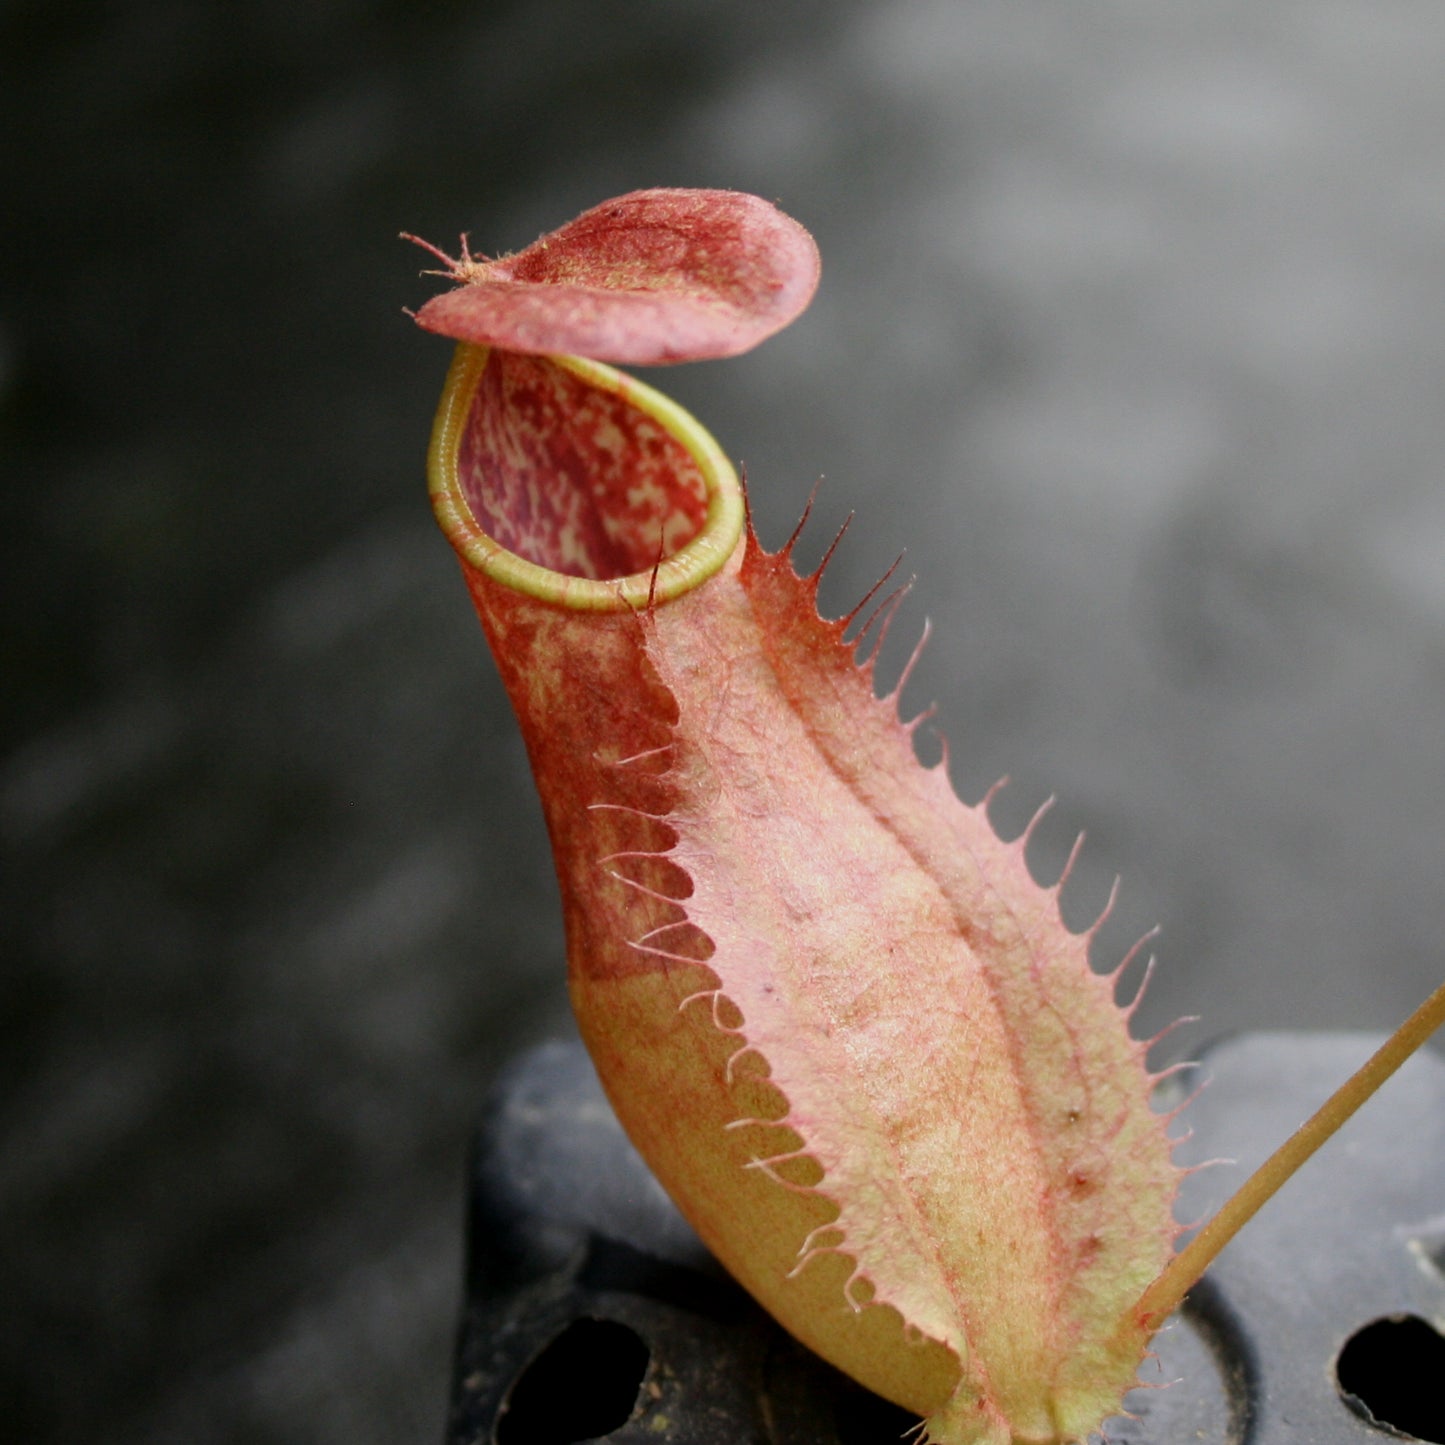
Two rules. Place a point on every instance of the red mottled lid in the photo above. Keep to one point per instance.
(652, 277)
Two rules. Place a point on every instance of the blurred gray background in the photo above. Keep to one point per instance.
(1132, 331)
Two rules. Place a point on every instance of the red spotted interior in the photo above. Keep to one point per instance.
(573, 477)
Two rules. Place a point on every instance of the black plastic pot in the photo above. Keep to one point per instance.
(594, 1313)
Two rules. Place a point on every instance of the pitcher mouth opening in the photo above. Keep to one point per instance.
(577, 484)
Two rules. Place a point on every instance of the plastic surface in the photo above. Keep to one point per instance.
(593, 1313)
